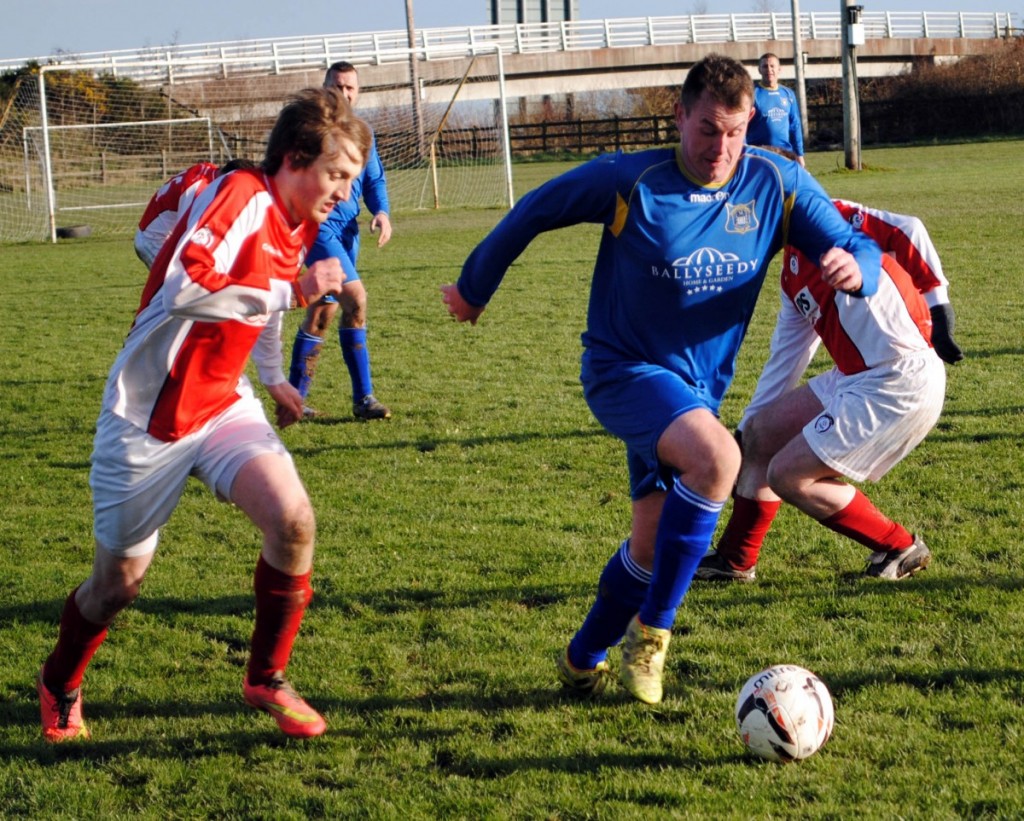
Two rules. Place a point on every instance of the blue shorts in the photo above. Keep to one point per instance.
(345, 247)
(637, 401)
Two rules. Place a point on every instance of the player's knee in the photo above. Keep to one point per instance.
(756, 449)
(783, 482)
(715, 476)
(295, 528)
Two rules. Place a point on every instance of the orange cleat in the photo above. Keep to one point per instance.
(292, 714)
(61, 714)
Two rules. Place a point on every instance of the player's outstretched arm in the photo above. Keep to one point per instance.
(458, 307)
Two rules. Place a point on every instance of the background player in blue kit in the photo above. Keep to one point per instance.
(687, 237)
(339, 237)
(776, 119)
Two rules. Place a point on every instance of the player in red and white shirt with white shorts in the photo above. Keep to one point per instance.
(857, 420)
(177, 403)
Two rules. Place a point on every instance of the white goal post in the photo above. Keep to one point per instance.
(86, 147)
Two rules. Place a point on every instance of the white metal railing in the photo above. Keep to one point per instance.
(186, 62)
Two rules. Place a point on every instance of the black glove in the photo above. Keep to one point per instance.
(943, 322)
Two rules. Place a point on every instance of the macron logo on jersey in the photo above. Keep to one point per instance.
(698, 196)
(706, 269)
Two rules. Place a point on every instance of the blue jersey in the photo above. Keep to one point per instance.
(776, 120)
(680, 264)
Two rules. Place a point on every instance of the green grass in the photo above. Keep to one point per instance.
(459, 545)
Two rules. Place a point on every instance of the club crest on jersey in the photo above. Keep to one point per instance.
(857, 220)
(741, 217)
(203, 237)
(824, 423)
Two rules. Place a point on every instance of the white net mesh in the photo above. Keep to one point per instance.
(108, 143)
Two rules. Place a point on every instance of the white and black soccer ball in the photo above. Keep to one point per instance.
(784, 713)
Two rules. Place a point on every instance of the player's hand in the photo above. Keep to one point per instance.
(322, 277)
(381, 222)
(288, 403)
(458, 307)
(839, 270)
(943, 321)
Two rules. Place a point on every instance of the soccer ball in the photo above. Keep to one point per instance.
(784, 713)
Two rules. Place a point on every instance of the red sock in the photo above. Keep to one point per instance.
(744, 534)
(77, 642)
(863, 522)
(280, 603)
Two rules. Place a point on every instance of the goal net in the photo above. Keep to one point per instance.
(81, 147)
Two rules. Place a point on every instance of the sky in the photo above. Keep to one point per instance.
(43, 27)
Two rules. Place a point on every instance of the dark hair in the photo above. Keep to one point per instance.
(234, 165)
(307, 121)
(724, 79)
(340, 67)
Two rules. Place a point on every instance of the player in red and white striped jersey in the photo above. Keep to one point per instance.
(907, 239)
(172, 200)
(178, 404)
(858, 420)
(165, 206)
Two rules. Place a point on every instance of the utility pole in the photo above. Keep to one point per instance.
(798, 66)
(852, 36)
(414, 77)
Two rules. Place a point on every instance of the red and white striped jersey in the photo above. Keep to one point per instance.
(166, 205)
(859, 332)
(215, 294)
(905, 238)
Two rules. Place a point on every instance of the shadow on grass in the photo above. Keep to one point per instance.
(382, 719)
(383, 602)
(427, 444)
(396, 600)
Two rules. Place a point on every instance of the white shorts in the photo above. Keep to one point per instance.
(137, 480)
(871, 420)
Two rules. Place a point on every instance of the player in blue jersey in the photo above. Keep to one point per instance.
(687, 236)
(776, 119)
(339, 237)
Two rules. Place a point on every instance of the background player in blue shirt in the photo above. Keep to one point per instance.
(776, 119)
(339, 237)
(687, 236)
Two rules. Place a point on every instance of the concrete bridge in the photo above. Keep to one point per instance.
(564, 57)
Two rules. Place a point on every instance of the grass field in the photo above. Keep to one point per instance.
(459, 545)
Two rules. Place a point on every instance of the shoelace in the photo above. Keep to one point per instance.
(64, 704)
(649, 647)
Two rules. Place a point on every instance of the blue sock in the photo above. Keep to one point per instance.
(620, 592)
(357, 360)
(684, 535)
(305, 352)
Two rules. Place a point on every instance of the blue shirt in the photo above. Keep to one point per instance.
(680, 264)
(776, 120)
